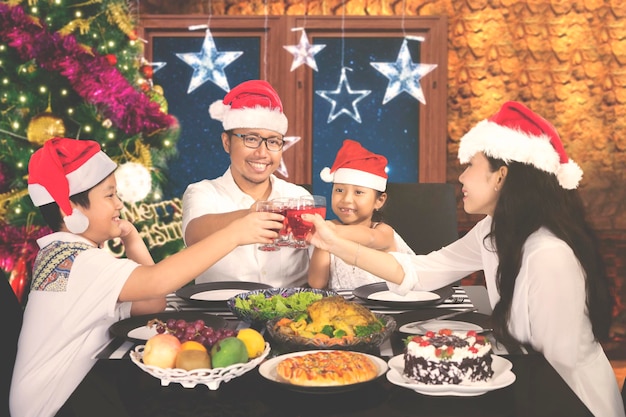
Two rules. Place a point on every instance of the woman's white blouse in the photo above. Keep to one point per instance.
(548, 309)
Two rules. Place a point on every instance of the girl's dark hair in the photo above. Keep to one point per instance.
(52, 213)
(530, 199)
(377, 216)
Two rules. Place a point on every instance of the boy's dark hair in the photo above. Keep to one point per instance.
(52, 213)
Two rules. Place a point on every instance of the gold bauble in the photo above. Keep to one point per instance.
(44, 126)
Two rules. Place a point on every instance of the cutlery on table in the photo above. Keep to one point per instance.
(419, 324)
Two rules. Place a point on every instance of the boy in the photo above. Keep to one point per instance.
(78, 290)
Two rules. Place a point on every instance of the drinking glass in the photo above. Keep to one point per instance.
(284, 236)
(300, 228)
(273, 207)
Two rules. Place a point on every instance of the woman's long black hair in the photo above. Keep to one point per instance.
(530, 199)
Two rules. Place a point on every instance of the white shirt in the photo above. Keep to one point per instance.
(66, 322)
(548, 310)
(287, 267)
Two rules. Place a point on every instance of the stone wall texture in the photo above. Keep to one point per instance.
(565, 59)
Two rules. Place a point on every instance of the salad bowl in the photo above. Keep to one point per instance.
(259, 306)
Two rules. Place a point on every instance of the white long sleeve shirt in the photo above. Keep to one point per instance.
(548, 310)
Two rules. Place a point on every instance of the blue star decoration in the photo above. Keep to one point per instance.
(209, 64)
(304, 52)
(403, 75)
(289, 142)
(342, 100)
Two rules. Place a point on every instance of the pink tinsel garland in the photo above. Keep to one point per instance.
(89, 73)
(19, 241)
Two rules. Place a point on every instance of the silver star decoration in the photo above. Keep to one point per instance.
(304, 52)
(289, 142)
(209, 64)
(342, 99)
(403, 75)
(157, 66)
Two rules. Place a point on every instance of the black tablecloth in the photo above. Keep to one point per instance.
(117, 387)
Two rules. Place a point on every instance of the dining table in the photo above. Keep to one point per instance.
(117, 387)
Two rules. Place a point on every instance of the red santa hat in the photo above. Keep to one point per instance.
(252, 104)
(356, 165)
(64, 167)
(515, 133)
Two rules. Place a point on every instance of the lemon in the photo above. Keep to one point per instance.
(254, 341)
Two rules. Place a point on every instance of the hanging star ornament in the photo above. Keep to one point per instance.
(342, 101)
(289, 142)
(209, 64)
(403, 75)
(304, 52)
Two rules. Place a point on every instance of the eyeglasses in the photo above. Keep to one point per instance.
(253, 141)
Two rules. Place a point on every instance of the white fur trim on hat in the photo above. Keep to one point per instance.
(217, 109)
(507, 144)
(255, 118)
(355, 177)
(76, 222)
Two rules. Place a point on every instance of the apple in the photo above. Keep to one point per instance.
(161, 350)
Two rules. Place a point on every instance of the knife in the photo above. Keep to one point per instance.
(442, 317)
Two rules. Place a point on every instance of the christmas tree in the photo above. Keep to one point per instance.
(76, 69)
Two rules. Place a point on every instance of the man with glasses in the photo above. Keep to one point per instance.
(254, 128)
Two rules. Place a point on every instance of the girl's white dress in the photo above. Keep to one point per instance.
(345, 276)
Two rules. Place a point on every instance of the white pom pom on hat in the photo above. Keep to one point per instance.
(356, 165)
(64, 167)
(516, 133)
(252, 104)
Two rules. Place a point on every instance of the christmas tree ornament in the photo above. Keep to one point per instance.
(304, 52)
(403, 75)
(343, 99)
(19, 278)
(209, 64)
(134, 182)
(44, 126)
(147, 71)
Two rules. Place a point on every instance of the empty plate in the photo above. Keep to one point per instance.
(436, 325)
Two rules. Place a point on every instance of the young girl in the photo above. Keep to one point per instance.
(543, 272)
(359, 182)
(79, 290)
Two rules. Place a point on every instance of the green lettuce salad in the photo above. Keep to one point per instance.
(278, 303)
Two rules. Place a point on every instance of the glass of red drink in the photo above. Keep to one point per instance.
(284, 236)
(300, 228)
(274, 207)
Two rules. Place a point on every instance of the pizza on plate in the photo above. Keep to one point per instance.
(327, 368)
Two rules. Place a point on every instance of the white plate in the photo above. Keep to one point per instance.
(436, 325)
(268, 370)
(502, 377)
(410, 297)
(143, 333)
(217, 295)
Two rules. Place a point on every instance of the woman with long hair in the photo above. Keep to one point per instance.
(543, 271)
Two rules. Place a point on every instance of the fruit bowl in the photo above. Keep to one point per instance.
(262, 315)
(212, 378)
